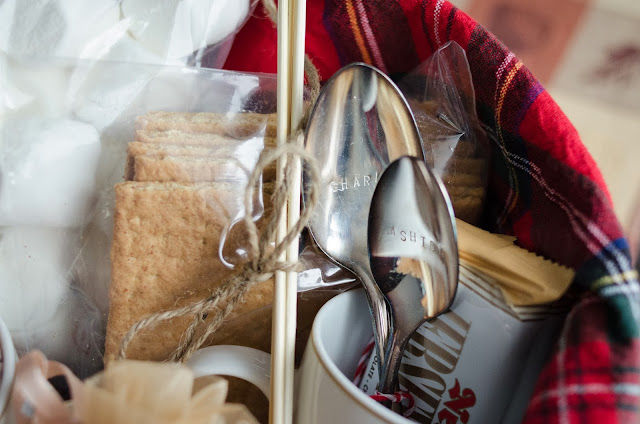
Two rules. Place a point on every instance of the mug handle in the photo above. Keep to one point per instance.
(9, 358)
(249, 364)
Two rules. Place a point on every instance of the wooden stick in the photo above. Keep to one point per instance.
(278, 332)
(297, 27)
(291, 31)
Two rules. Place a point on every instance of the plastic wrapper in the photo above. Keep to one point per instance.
(441, 95)
(176, 32)
(121, 190)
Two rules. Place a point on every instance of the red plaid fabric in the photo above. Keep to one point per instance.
(544, 186)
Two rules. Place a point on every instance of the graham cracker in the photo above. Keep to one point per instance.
(188, 169)
(466, 166)
(457, 192)
(468, 208)
(165, 255)
(463, 180)
(237, 125)
(164, 149)
(161, 150)
(194, 138)
(206, 168)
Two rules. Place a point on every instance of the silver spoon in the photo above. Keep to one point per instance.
(413, 253)
(359, 124)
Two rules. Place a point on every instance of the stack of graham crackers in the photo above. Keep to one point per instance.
(465, 174)
(185, 179)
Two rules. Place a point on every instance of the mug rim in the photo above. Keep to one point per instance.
(338, 376)
(8, 366)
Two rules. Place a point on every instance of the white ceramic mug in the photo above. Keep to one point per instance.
(324, 390)
(8, 369)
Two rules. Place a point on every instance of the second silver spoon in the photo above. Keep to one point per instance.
(413, 253)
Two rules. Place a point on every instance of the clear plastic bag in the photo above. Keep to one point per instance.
(111, 210)
(441, 95)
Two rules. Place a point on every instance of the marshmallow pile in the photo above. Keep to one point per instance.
(146, 31)
(47, 185)
(55, 155)
(48, 168)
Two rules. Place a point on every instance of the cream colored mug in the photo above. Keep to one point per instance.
(8, 369)
(324, 391)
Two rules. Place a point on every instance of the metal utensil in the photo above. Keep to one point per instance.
(413, 253)
(359, 124)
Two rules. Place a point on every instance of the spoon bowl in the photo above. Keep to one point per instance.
(359, 125)
(413, 254)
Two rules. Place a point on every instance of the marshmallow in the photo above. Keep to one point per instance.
(40, 90)
(13, 97)
(168, 32)
(214, 20)
(178, 28)
(34, 275)
(66, 28)
(7, 11)
(47, 172)
(92, 25)
(128, 50)
(39, 305)
(73, 335)
(103, 91)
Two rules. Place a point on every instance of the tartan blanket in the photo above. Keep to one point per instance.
(544, 187)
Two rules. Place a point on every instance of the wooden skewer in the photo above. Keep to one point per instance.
(291, 30)
(297, 25)
(278, 331)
